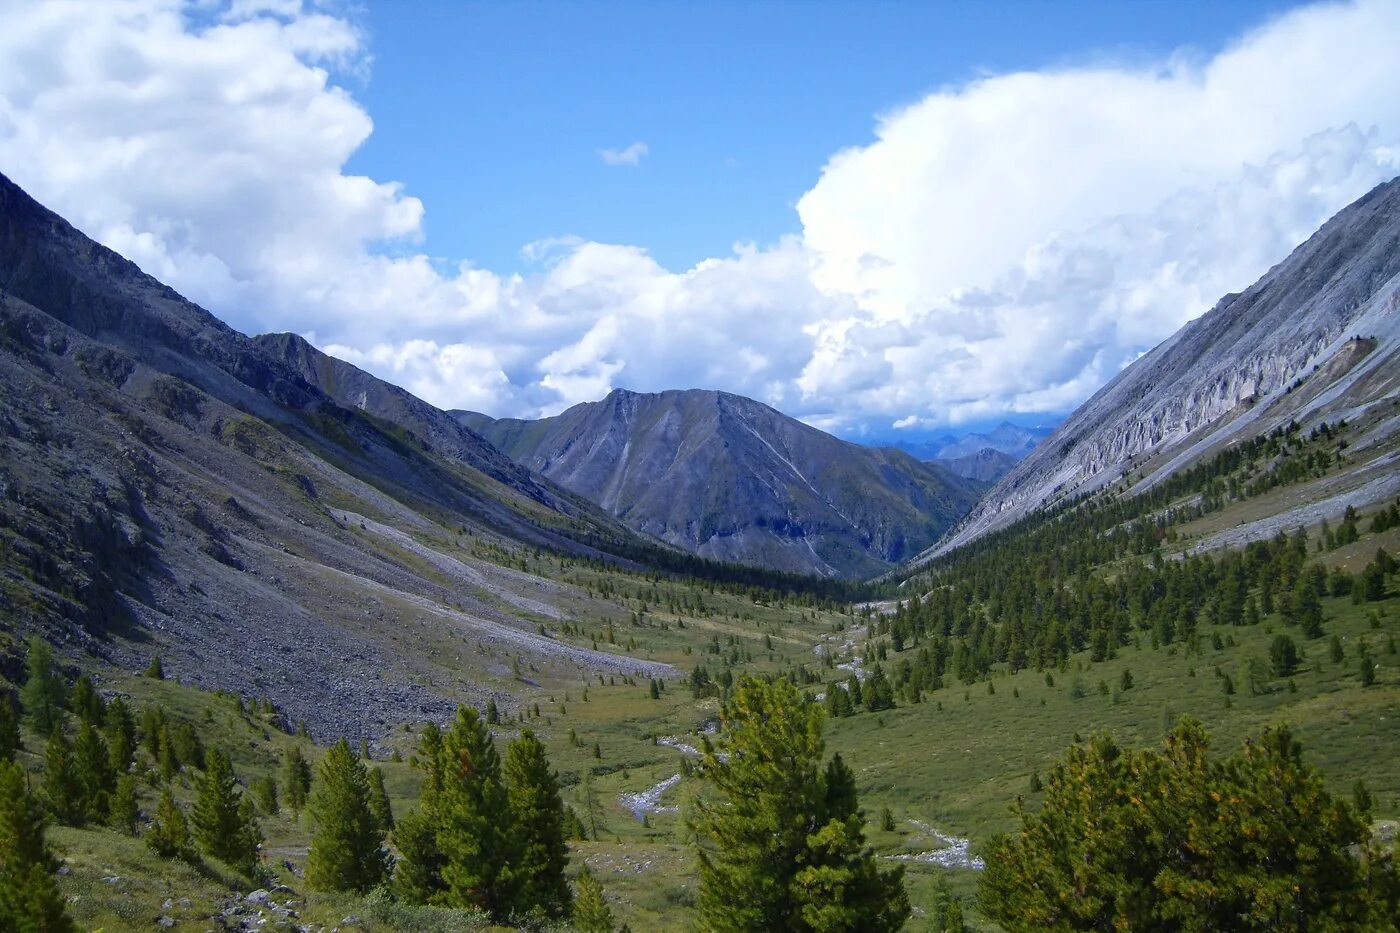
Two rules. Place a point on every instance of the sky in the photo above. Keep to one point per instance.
(890, 219)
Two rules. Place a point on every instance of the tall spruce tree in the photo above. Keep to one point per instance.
(30, 901)
(121, 735)
(347, 851)
(472, 820)
(781, 846)
(44, 694)
(379, 801)
(537, 815)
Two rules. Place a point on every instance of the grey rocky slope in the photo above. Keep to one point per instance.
(1317, 338)
(985, 466)
(732, 479)
(170, 485)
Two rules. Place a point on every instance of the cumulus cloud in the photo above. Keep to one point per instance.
(632, 155)
(1001, 246)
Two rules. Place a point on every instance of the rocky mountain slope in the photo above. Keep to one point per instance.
(1316, 339)
(270, 521)
(985, 466)
(729, 478)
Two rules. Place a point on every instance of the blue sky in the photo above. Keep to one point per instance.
(891, 220)
(492, 113)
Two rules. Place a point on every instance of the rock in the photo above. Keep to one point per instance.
(165, 921)
(259, 896)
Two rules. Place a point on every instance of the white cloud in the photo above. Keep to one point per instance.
(1004, 246)
(632, 155)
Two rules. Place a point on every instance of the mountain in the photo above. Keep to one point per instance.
(271, 521)
(729, 478)
(1014, 440)
(985, 466)
(1316, 340)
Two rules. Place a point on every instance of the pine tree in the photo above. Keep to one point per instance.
(219, 826)
(347, 852)
(473, 820)
(93, 762)
(155, 670)
(9, 728)
(123, 812)
(121, 735)
(44, 694)
(296, 780)
(537, 815)
(29, 897)
(248, 840)
(379, 801)
(782, 844)
(169, 835)
(591, 911)
(63, 787)
(418, 875)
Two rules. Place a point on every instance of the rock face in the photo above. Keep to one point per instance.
(1317, 338)
(270, 521)
(729, 478)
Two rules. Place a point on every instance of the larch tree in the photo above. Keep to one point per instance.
(44, 695)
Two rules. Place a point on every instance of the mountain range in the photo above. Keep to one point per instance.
(732, 479)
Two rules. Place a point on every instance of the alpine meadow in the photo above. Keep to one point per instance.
(1004, 535)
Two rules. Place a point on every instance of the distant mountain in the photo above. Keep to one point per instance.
(986, 466)
(730, 478)
(1013, 440)
(1316, 339)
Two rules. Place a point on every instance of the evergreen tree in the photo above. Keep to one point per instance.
(418, 875)
(220, 826)
(9, 728)
(264, 791)
(1168, 839)
(155, 670)
(537, 815)
(93, 762)
(347, 852)
(30, 901)
(169, 835)
(782, 845)
(44, 694)
(296, 780)
(85, 702)
(123, 812)
(591, 911)
(379, 801)
(249, 839)
(63, 787)
(121, 735)
(473, 820)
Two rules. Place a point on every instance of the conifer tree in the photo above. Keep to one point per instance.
(85, 702)
(169, 835)
(219, 825)
(418, 875)
(537, 815)
(155, 670)
(347, 852)
(63, 787)
(121, 735)
(473, 820)
(249, 839)
(379, 801)
(296, 780)
(781, 845)
(29, 897)
(264, 791)
(94, 766)
(9, 728)
(44, 694)
(123, 813)
(591, 911)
